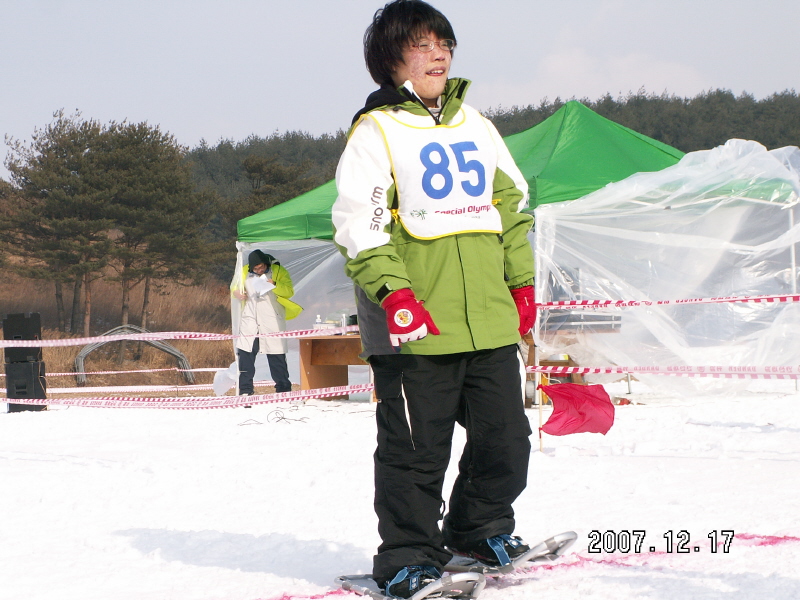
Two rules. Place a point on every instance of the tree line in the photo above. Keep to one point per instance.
(259, 173)
(126, 202)
(707, 120)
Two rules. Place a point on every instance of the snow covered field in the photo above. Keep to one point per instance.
(275, 501)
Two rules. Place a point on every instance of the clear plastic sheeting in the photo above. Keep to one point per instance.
(317, 271)
(721, 222)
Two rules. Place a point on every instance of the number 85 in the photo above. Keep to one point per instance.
(442, 168)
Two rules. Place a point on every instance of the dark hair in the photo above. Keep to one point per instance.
(392, 27)
(258, 257)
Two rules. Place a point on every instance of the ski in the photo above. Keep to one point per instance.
(546, 551)
(464, 586)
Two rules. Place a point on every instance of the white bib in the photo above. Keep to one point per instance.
(443, 174)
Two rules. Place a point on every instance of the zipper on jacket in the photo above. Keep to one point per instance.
(458, 94)
(413, 96)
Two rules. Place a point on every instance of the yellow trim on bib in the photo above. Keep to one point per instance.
(444, 235)
(440, 126)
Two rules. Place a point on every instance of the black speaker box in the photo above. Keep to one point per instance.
(25, 380)
(22, 326)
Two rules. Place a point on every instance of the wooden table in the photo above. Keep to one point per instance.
(324, 360)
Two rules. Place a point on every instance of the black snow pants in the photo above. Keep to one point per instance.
(421, 398)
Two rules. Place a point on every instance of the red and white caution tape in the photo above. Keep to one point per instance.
(129, 389)
(175, 369)
(199, 402)
(73, 373)
(301, 333)
(764, 372)
(569, 304)
(142, 337)
(171, 335)
(140, 389)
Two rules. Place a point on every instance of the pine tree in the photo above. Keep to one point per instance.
(158, 218)
(57, 225)
(91, 196)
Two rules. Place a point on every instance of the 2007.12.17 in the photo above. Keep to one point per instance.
(626, 541)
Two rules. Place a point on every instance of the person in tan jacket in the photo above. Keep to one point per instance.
(264, 289)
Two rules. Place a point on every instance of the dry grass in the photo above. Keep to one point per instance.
(199, 353)
(175, 308)
(172, 308)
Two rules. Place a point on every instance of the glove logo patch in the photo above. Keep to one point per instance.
(403, 317)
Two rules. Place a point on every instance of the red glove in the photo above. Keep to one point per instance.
(407, 318)
(526, 307)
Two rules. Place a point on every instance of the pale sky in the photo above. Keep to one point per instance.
(226, 69)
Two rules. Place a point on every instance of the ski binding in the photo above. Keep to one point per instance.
(547, 551)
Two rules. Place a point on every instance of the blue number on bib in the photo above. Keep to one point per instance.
(432, 168)
(465, 166)
(443, 168)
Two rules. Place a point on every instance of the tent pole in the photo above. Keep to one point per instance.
(793, 255)
(541, 422)
(540, 399)
(537, 393)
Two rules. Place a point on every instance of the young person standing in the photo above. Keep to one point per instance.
(428, 218)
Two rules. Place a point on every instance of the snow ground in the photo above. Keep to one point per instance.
(275, 501)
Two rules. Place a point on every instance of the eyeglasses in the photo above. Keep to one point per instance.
(429, 45)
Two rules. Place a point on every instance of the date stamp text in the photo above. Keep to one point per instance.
(637, 540)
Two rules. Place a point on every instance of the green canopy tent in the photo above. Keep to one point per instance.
(572, 153)
(305, 217)
(575, 152)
